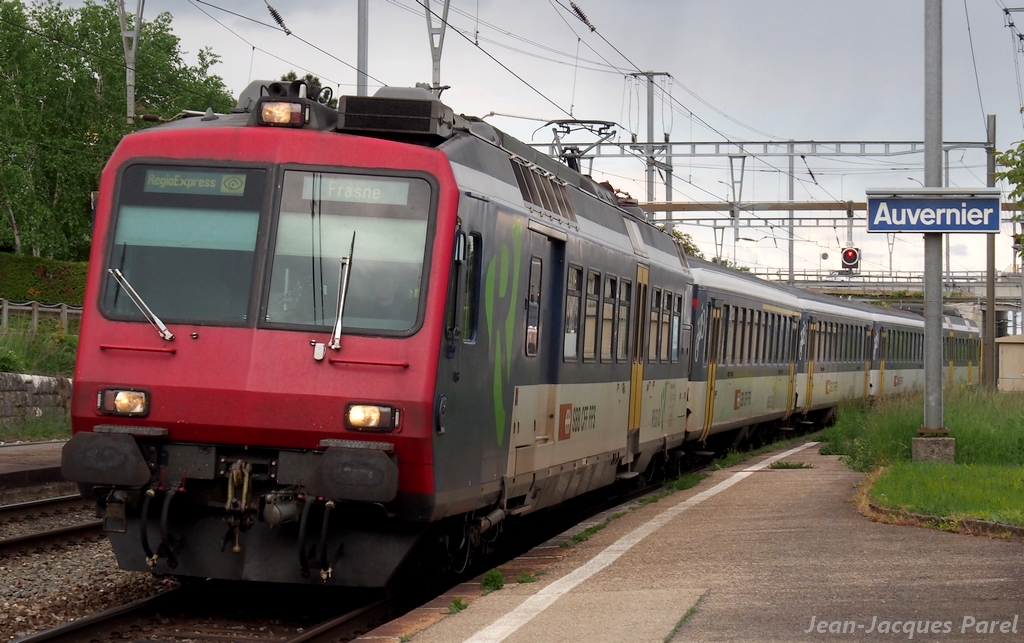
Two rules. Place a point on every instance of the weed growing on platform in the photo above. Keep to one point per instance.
(686, 481)
(526, 578)
(49, 351)
(51, 426)
(735, 457)
(492, 581)
(457, 606)
(985, 492)
(988, 427)
(790, 465)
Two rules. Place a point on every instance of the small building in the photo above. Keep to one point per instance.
(1011, 362)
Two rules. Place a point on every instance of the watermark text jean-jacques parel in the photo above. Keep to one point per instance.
(967, 624)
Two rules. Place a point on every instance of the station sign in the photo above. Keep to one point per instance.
(934, 210)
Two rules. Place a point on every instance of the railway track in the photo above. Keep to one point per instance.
(41, 523)
(216, 611)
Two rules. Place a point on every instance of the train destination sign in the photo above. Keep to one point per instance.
(934, 210)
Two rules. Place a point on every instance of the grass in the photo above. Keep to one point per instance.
(986, 483)
(526, 578)
(685, 617)
(790, 465)
(49, 351)
(984, 492)
(988, 427)
(492, 581)
(457, 606)
(51, 426)
(735, 457)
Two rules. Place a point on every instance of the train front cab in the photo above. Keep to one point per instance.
(228, 423)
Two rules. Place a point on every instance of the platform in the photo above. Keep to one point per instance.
(752, 554)
(32, 463)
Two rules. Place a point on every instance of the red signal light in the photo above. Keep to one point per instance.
(851, 258)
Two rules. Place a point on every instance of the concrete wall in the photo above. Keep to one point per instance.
(28, 396)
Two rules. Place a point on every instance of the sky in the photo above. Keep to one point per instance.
(741, 70)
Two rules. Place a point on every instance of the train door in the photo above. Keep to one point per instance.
(812, 352)
(636, 380)
(794, 337)
(713, 349)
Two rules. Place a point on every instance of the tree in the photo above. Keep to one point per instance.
(722, 261)
(324, 97)
(689, 246)
(1013, 161)
(62, 108)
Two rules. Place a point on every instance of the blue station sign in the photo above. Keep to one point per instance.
(934, 210)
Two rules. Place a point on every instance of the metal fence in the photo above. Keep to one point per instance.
(34, 309)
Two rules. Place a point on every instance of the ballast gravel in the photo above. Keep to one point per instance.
(44, 589)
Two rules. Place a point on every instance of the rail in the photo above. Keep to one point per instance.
(35, 309)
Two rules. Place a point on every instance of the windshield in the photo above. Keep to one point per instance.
(320, 213)
(185, 238)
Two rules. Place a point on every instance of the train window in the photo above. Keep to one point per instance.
(730, 334)
(471, 296)
(664, 335)
(762, 337)
(751, 354)
(622, 331)
(653, 336)
(590, 316)
(608, 318)
(322, 215)
(188, 251)
(754, 349)
(533, 307)
(573, 286)
(677, 312)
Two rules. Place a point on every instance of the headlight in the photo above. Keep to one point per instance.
(371, 416)
(281, 113)
(123, 402)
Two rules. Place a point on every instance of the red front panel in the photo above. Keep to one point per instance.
(263, 387)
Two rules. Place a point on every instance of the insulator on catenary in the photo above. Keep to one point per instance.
(278, 19)
(582, 16)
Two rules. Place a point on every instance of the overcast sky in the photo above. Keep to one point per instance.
(820, 70)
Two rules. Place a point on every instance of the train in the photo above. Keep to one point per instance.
(318, 343)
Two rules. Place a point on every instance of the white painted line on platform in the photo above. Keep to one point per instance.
(506, 625)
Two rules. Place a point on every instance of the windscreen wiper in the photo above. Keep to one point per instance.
(141, 305)
(346, 267)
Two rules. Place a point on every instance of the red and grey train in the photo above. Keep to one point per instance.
(316, 340)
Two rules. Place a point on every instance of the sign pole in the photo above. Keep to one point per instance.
(933, 411)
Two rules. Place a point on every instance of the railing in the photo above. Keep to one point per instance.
(916, 277)
(35, 309)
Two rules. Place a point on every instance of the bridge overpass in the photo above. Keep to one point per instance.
(959, 286)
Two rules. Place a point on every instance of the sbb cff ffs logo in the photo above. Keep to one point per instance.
(851, 258)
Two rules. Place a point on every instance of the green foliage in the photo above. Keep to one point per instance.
(53, 425)
(457, 606)
(492, 580)
(984, 492)
(988, 427)
(689, 246)
(790, 465)
(685, 481)
(722, 261)
(47, 281)
(526, 578)
(63, 111)
(47, 352)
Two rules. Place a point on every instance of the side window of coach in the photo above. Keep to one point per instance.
(573, 287)
(533, 307)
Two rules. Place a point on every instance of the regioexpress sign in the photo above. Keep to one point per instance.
(933, 210)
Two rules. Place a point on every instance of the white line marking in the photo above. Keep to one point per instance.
(503, 627)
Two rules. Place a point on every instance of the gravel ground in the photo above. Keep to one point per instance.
(37, 523)
(42, 590)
